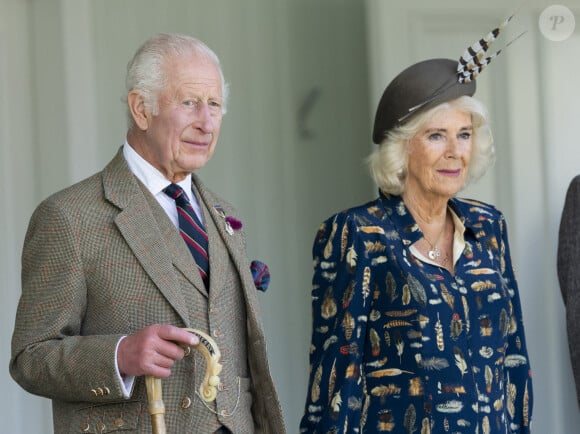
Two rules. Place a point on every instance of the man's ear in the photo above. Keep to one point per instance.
(138, 110)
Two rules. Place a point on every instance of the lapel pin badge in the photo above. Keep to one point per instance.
(231, 224)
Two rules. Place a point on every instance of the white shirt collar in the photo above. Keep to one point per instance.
(152, 178)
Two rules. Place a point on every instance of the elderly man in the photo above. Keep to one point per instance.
(114, 268)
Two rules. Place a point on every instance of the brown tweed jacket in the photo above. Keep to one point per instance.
(569, 272)
(101, 260)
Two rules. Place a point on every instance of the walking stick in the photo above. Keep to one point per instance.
(207, 389)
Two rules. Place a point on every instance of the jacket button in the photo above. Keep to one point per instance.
(119, 422)
(186, 402)
(100, 391)
(85, 427)
(101, 427)
(94, 392)
(187, 351)
(106, 390)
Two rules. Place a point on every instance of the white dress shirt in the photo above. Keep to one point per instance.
(155, 182)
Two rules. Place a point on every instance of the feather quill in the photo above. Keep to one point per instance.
(504, 323)
(343, 241)
(389, 372)
(401, 313)
(336, 403)
(351, 258)
(328, 309)
(347, 295)
(328, 247)
(434, 363)
(348, 324)
(417, 290)
(406, 297)
(374, 247)
(400, 345)
(391, 287)
(447, 296)
(366, 283)
(460, 361)
(410, 419)
(439, 334)
(488, 378)
(332, 380)
(315, 391)
(425, 426)
(511, 399)
(466, 313)
(375, 342)
(526, 406)
(485, 427)
(475, 58)
(386, 390)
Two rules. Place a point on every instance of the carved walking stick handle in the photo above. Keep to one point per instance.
(207, 389)
(211, 353)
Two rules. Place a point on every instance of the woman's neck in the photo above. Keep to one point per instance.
(427, 213)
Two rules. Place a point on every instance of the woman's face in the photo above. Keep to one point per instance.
(439, 156)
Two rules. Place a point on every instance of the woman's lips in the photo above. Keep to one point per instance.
(449, 172)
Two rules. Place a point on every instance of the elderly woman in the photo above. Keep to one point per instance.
(417, 319)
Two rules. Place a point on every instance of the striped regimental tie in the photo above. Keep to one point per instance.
(191, 230)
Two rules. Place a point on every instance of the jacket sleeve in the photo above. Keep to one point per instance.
(569, 273)
(569, 242)
(340, 306)
(517, 372)
(49, 357)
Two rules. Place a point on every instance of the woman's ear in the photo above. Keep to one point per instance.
(138, 110)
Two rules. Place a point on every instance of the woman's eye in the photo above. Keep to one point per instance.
(465, 136)
(435, 136)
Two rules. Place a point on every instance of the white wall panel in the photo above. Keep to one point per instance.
(560, 107)
(18, 188)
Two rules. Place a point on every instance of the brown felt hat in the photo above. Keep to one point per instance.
(419, 87)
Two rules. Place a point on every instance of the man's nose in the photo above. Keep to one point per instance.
(205, 119)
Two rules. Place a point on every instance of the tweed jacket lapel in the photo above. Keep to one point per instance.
(149, 241)
(217, 255)
(236, 248)
(180, 254)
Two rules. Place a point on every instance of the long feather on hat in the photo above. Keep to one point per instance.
(474, 59)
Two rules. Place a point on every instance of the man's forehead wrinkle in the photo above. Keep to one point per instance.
(199, 89)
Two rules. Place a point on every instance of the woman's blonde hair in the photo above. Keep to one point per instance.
(389, 161)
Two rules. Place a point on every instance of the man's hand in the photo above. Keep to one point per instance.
(153, 350)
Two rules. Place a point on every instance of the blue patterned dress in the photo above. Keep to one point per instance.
(400, 345)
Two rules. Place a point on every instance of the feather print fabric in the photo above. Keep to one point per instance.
(403, 346)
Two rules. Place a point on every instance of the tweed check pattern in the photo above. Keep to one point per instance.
(191, 230)
(108, 238)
